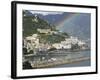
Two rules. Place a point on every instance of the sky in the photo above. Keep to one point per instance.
(45, 13)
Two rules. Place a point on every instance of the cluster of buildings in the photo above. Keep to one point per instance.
(69, 42)
(47, 31)
(33, 43)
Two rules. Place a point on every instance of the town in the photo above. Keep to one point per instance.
(38, 53)
(32, 42)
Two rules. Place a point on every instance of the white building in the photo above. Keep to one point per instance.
(44, 47)
(57, 45)
(71, 40)
(81, 43)
(32, 42)
(44, 30)
(67, 44)
(35, 19)
(61, 46)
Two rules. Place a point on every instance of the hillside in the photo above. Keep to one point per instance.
(75, 24)
(31, 24)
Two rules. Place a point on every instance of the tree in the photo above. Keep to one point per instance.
(75, 46)
(27, 65)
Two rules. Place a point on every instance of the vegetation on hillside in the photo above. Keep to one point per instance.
(30, 26)
(33, 22)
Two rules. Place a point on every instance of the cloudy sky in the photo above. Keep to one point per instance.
(45, 13)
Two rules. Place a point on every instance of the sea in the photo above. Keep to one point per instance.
(80, 63)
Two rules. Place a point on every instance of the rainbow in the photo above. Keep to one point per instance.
(66, 19)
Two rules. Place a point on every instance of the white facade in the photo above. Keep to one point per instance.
(57, 45)
(33, 37)
(44, 46)
(67, 44)
(61, 46)
(81, 43)
(71, 40)
(44, 30)
(32, 42)
(35, 19)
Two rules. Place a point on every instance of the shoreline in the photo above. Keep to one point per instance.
(68, 50)
(56, 63)
(60, 51)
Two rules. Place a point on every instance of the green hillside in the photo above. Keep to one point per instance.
(33, 22)
(30, 25)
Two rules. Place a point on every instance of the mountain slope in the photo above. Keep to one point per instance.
(32, 23)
